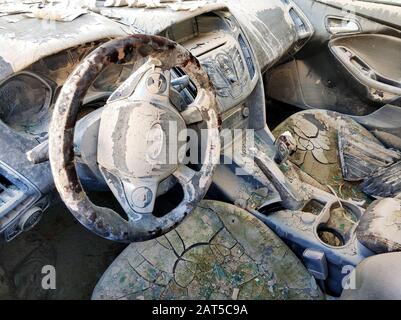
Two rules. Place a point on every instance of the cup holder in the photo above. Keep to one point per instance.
(337, 223)
(330, 236)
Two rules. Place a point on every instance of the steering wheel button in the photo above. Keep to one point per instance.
(142, 197)
(156, 83)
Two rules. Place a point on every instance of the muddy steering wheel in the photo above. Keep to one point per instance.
(134, 138)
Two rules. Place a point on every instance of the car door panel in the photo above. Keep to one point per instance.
(351, 64)
(373, 62)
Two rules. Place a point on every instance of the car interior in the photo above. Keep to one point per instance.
(285, 184)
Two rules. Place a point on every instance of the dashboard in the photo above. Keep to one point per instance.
(219, 43)
(216, 39)
(225, 48)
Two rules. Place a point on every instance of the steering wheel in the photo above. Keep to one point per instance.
(135, 138)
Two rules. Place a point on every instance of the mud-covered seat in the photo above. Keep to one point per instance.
(336, 151)
(380, 226)
(219, 252)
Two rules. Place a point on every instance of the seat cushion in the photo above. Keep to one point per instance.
(380, 226)
(318, 133)
(219, 252)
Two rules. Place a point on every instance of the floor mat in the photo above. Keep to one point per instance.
(79, 258)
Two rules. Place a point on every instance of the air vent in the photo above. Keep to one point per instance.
(247, 54)
(8, 191)
(190, 89)
(17, 195)
(303, 28)
(300, 25)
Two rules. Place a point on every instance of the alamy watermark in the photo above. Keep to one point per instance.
(349, 280)
(48, 277)
(166, 145)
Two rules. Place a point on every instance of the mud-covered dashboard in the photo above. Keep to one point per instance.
(233, 51)
(217, 40)
(235, 46)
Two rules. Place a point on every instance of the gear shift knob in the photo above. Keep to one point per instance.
(285, 146)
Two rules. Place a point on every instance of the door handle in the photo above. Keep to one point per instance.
(338, 25)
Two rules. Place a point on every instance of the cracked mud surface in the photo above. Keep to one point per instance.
(316, 133)
(218, 252)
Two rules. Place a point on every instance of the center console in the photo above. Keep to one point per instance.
(323, 235)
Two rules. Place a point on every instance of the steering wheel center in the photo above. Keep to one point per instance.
(141, 139)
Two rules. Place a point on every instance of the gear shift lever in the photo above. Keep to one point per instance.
(285, 146)
(290, 198)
